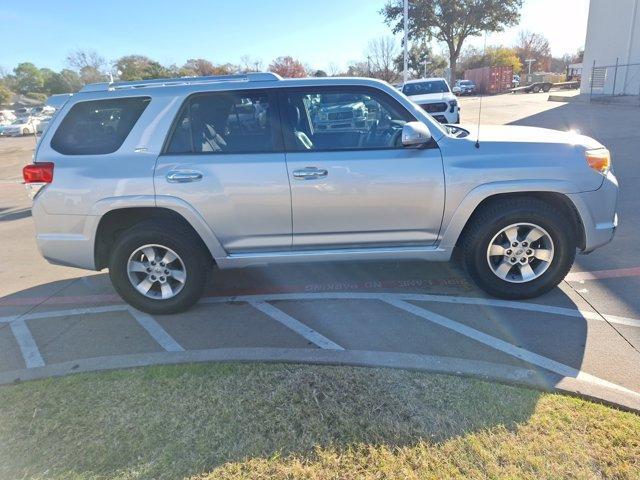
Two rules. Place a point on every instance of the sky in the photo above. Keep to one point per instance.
(319, 32)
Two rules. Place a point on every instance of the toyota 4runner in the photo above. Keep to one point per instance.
(160, 180)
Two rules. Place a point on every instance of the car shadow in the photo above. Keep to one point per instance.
(15, 215)
(617, 128)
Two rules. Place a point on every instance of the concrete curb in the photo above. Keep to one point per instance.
(533, 378)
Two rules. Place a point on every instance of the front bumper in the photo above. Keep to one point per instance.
(598, 211)
(446, 116)
(355, 123)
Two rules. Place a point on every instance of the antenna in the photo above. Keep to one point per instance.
(484, 55)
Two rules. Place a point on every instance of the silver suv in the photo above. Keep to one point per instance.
(160, 180)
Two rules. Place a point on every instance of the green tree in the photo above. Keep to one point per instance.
(28, 78)
(139, 67)
(67, 81)
(418, 54)
(452, 21)
(5, 95)
(89, 74)
(495, 56)
(200, 67)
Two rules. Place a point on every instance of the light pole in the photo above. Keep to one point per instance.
(530, 61)
(405, 72)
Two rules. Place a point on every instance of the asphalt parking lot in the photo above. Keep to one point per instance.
(584, 336)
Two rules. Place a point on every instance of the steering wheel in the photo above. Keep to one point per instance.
(396, 139)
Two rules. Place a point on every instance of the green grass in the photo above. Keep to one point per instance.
(246, 421)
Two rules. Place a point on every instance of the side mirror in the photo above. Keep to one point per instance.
(414, 134)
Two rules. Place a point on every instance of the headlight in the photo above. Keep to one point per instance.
(453, 104)
(599, 159)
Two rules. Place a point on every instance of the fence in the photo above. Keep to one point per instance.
(619, 79)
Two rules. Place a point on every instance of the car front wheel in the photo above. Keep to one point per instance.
(159, 268)
(519, 248)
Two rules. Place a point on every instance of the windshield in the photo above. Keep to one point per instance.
(423, 88)
(466, 83)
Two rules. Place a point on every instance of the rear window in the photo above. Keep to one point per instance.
(98, 127)
(225, 122)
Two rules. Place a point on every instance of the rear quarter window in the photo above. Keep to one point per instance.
(98, 127)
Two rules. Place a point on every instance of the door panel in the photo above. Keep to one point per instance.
(367, 198)
(245, 198)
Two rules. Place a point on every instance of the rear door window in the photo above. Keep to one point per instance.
(226, 122)
(98, 127)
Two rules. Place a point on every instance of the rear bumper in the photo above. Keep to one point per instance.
(598, 211)
(65, 239)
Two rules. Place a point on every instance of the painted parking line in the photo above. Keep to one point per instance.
(154, 329)
(506, 347)
(601, 274)
(531, 307)
(27, 344)
(295, 325)
(489, 302)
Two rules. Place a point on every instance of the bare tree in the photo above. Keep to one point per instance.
(534, 46)
(333, 69)
(381, 54)
(249, 64)
(89, 64)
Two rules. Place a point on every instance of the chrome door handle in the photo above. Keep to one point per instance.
(309, 173)
(183, 176)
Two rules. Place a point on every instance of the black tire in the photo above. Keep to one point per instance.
(494, 217)
(179, 239)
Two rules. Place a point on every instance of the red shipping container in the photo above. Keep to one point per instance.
(491, 80)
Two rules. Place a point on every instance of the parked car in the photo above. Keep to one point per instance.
(340, 112)
(42, 110)
(7, 117)
(166, 189)
(43, 123)
(22, 111)
(21, 126)
(435, 97)
(466, 87)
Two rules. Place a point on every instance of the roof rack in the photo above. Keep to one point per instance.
(171, 82)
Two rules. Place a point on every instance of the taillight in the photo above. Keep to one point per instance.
(36, 176)
(38, 173)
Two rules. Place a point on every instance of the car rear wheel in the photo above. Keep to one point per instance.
(519, 248)
(25, 131)
(158, 268)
